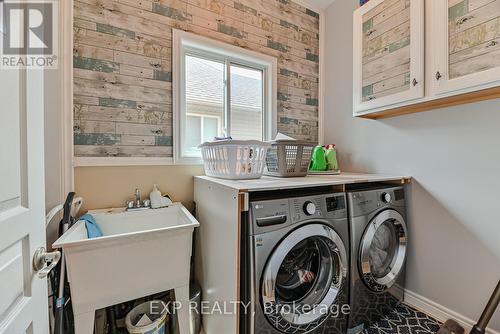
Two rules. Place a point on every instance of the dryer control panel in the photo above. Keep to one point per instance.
(365, 202)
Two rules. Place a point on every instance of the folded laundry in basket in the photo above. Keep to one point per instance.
(93, 230)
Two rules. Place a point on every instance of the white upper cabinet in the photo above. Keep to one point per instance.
(460, 50)
(388, 54)
(466, 45)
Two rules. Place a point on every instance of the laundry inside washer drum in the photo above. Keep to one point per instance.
(383, 249)
(305, 272)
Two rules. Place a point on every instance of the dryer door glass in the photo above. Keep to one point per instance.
(383, 250)
(303, 278)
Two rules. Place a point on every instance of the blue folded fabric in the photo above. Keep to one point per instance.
(93, 230)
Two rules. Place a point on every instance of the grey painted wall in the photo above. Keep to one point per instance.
(453, 155)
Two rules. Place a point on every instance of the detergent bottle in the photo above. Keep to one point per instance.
(331, 157)
(318, 162)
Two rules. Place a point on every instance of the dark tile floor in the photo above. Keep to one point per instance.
(404, 320)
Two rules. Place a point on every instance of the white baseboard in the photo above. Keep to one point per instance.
(439, 312)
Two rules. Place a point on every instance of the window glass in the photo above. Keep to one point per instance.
(210, 128)
(246, 103)
(204, 98)
(193, 138)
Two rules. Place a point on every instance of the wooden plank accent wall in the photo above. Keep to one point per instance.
(386, 49)
(123, 69)
(474, 36)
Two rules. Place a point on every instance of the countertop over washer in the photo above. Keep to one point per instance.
(276, 183)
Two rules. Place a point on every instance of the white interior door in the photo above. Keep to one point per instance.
(23, 296)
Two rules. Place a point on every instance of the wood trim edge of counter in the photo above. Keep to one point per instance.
(270, 183)
(477, 96)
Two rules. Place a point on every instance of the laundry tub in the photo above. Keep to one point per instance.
(140, 253)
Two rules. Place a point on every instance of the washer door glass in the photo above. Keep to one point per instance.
(383, 250)
(307, 267)
(303, 278)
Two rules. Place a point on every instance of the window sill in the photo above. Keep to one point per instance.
(187, 161)
(130, 161)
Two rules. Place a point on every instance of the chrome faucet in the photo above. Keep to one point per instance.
(137, 203)
(137, 198)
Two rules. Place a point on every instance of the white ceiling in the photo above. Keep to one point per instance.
(315, 4)
(323, 3)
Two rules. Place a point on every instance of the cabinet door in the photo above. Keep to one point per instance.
(466, 45)
(388, 54)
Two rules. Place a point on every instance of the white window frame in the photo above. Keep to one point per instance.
(187, 43)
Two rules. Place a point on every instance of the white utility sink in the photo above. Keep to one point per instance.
(141, 253)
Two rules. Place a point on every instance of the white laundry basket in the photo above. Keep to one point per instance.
(234, 159)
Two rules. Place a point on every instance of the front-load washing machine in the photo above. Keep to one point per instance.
(299, 265)
(377, 220)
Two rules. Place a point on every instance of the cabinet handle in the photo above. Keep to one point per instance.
(438, 75)
(414, 82)
(491, 44)
(370, 32)
(464, 19)
(371, 98)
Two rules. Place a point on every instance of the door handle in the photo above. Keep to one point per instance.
(41, 258)
(269, 221)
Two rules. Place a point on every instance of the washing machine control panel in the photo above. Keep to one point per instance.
(324, 206)
(270, 215)
(386, 197)
(309, 208)
(335, 203)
